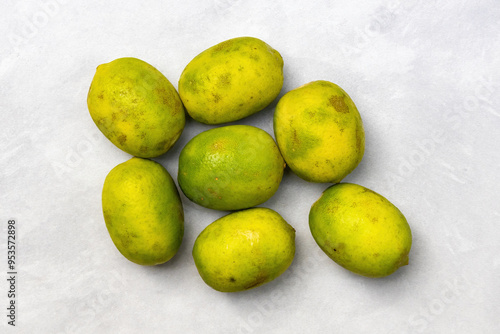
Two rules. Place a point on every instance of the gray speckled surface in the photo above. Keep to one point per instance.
(425, 78)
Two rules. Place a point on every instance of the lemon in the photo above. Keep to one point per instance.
(136, 107)
(360, 230)
(319, 132)
(230, 168)
(244, 249)
(231, 80)
(143, 211)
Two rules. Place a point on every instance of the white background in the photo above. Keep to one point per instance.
(425, 78)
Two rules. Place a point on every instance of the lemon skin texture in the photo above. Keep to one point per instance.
(143, 211)
(136, 107)
(230, 168)
(244, 249)
(231, 80)
(360, 230)
(319, 132)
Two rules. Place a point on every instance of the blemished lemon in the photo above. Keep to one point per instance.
(136, 107)
(231, 80)
(143, 211)
(244, 249)
(360, 230)
(319, 132)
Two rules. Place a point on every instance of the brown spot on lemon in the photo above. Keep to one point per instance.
(259, 280)
(338, 103)
(125, 242)
(332, 247)
(403, 260)
(217, 98)
(224, 80)
(359, 140)
(295, 140)
(254, 57)
(161, 144)
(222, 46)
(122, 139)
(178, 106)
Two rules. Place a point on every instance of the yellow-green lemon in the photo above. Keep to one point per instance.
(230, 168)
(231, 80)
(244, 249)
(360, 230)
(143, 211)
(319, 132)
(136, 107)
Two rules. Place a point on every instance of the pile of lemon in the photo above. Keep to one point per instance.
(319, 136)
